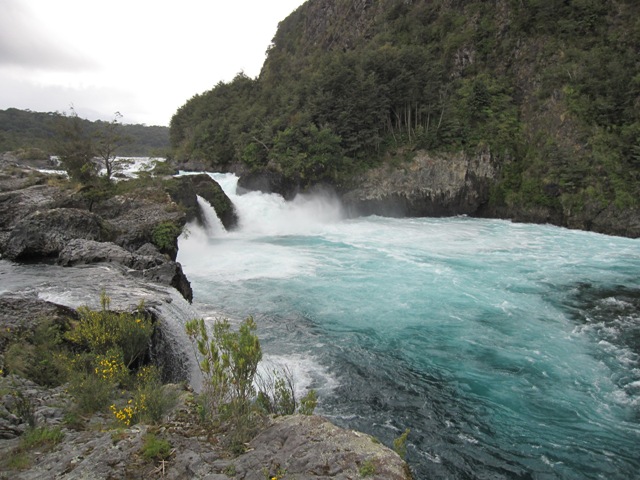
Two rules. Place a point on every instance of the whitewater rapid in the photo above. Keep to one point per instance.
(509, 350)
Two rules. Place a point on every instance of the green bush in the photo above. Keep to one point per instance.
(37, 355)
(400, 444)
(229, 364)
(104, 330)
(308, 403)
(23, 408)
(165, 236)
(367, 468)
(229, 361)
(155, 448)
(276, 392)
(91, 392)
(154, 400)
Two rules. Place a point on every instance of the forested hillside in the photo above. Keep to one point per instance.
(549, 88)
(23, 129)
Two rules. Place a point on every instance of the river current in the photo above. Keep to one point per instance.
(509, 350)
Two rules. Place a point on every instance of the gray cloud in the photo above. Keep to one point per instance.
(24, 42)
(92, 103)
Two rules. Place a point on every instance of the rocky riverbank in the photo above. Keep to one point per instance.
(423, 184)
(126, 242)
(296, 446)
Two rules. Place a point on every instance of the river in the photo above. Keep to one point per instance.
(509, 350)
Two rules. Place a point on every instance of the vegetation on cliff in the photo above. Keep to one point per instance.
(551, 89)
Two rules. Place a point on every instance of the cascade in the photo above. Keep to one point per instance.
(213, 224)
(270, 214)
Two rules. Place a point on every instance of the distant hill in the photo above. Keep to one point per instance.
(22, 129)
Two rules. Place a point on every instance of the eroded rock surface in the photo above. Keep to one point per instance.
(44, 233)
(311, 447)
(427, 185)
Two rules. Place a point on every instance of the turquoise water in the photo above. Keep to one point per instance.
(509, 350)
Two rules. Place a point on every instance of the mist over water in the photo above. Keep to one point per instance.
(509, 350)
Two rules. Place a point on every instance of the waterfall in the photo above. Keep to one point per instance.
(213, 225)
(172, 349)
(270, 214)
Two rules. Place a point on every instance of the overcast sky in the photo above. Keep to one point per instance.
(142, 58)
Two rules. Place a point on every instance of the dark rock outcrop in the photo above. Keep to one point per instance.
(79, 251)
(209, 189)
(147, 262)
(427, 185)
(44, 233)
(183, 191)
(135, 216)
(40, 222)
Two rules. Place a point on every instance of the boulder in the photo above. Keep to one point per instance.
(168, 273)
(79, 251)
(44, 233)
(212, 192)
(183, 190)
(311, 447)
(269, 181)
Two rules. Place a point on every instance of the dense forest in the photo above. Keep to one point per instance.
(24, 129)
(550, 88)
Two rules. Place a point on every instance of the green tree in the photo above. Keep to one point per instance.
(308, 153)
(108, 139)
(74, 147)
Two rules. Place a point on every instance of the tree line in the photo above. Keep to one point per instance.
(24, 129)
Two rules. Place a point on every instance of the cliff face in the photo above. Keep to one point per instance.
(427, 185)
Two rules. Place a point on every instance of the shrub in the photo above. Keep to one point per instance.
(229, 364)
(308, 403)
(41, 437)
(151, 400)
(154, 399)
(101, 331)
(92, 393)
(276, 392)
(23, 408)
(229, 361)
(36, 356)
(165, 236)
(400, 444)
(155, 448)
(110, 367)
(367, 468)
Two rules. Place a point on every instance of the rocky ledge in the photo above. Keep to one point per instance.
(45, 218)
(297, 446)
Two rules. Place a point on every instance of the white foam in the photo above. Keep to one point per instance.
(307, 372)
